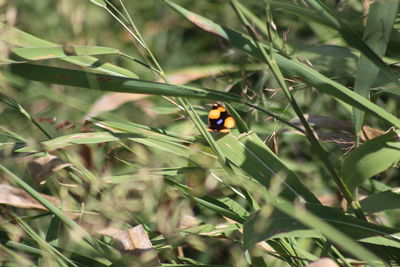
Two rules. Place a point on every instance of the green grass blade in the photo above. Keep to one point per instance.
(130, 127)
(99, 3)
(21, 55)
(371, 158)
(381, 17)
(113, 83)
(381, 201)
(19, 38)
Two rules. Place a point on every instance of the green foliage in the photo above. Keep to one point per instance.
(126, 173)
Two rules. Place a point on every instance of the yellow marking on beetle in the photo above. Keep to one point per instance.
(214, 114)
(229, 122)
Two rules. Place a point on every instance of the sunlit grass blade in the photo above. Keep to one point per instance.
(279, 223)
(131, 127)
(21, 55)
(19, 38)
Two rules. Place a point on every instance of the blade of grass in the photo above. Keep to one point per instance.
(20, 55)
(17, 37)
(371, 158)
(381, 17)
(113, 83)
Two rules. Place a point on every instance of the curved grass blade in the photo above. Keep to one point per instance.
(381, 201)
(290, 67)
(19, 38)
(21, 55)
(131, 127)
(371, 158)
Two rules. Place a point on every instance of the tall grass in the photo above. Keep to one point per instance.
(99, 177)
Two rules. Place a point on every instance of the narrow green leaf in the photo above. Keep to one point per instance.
(210, 229)
(381, 201)
(306, 13)
(371, 158)
(235, 207)
(19, 38)
(381, 17)
(99, 3)
(134, 128)
(20, 55)
(113, 83)
(83, 138)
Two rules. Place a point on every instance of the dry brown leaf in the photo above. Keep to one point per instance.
(41, 168)
(187, 221)
(16, 197)
(272, 143)
(136, 241)
(368, 133)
